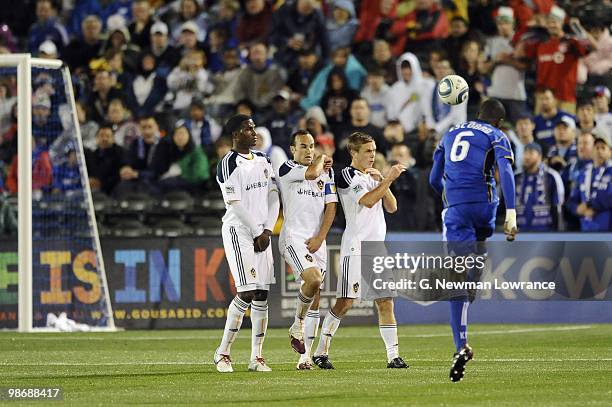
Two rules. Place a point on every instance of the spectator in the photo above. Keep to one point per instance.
(591, 198)
(585, 117)
(47, 27)
(342, 59)
(104, 90)
(539, 193)
(104, 163)
(557, 60)
(189, 12)
(295, 26)
(260, 81)
(480, 14)
(140, 28)
(254, 24)
(189, 80)
(42, 172)
(124, 129)
(214, 47)
(563, 153)
(282, 121)
(119, 41)
(383, 59)
(67, 175)
(44, 130)
(337, 100)
(421, 30)
(147, 89)
(188, 38)
(549, 115)
(598, 62)
(341, 24)
(166, 56)
(405, 190)
(88, 127)
(264, 144)
(603, 116)
(439, 117)
(223, 146)
(226, 16)
(376, 93)
(359, 122)
(85, 47)
(524, 127)
(7, 101)
(458, 35)
(204, 130)
(507, 76)
(584, 149)
(375, 20)
(178, 164)
(48, 50)
(405, 94)
(471, 68)
(225, 83)
(304, 73)
(136, 173)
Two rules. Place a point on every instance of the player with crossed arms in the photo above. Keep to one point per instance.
(463, 174)
(364, 193)
(309, 201)
(252, 203)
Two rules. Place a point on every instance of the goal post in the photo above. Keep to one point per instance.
(57, 231)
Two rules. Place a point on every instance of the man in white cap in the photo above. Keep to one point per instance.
(47, 50)
(507, 76)
(557, 60)
(564, 152)
(166, 56)
(603, 116)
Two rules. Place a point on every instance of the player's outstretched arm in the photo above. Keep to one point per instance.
(437, 171)
(371, 198)
(506, 177)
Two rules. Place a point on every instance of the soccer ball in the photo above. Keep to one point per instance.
(453, 90)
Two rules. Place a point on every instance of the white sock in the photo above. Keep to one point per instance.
(303, 304)
(389, 336)
(235, 313)
(311, 326)
(259, 322)
(330, 325)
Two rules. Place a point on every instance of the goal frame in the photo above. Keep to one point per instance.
(24, 64)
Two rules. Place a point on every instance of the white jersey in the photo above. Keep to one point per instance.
(304, 200)
(362, 223)
(247, 179)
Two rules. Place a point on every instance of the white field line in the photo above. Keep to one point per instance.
(184, 363)
(68, 337)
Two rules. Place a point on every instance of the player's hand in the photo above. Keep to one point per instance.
(327, 163)
(262, 241)
(313, 244)
(395, 171)
(374, 173)
(510, 229)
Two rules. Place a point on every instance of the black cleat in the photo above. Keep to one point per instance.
(397, 363)
(322, 361)
(460, 359)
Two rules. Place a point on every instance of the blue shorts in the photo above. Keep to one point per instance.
(469, 222)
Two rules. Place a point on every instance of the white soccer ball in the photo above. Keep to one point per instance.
(453, 90)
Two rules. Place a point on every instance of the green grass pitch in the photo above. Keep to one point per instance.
(557, 365)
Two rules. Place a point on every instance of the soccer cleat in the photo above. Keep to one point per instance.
(223, 363)
(397, 363)
(259, 365)
(304, 365)
(460, 359)
(296, 337)
(322, 361)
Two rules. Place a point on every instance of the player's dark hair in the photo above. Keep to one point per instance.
(234, 123)
(357, 139)
(492, 111)
(298, 133)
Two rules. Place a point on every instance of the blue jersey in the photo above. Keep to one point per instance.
(464, 164)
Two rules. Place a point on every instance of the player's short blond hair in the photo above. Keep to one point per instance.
(357, 139)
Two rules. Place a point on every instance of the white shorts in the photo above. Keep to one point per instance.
(349, 277)
(250, 270)
(296, 254)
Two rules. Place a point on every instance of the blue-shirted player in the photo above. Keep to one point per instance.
(463, 174)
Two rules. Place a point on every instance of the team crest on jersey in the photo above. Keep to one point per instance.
(320, 184)
(308, 257)
(356, 287)
(357, 188)
(229, 189)
(253, 272)
(266, 173)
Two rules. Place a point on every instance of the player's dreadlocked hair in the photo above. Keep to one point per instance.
(357, 139)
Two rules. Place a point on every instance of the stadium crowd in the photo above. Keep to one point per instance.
(155, 81)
